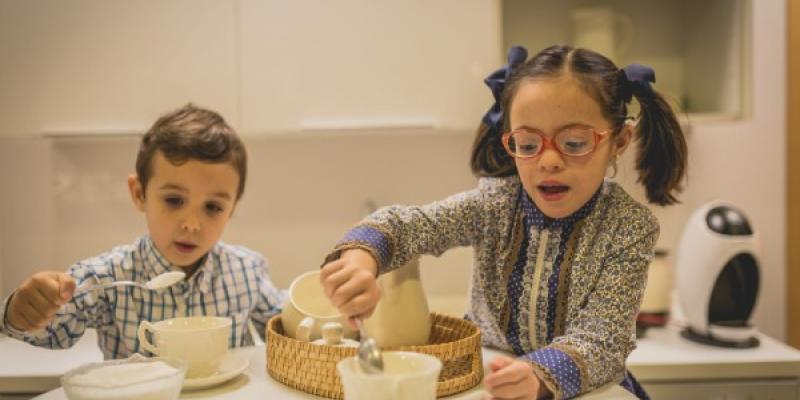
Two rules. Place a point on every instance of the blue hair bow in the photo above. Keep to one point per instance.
(497, 83)
(637, 79)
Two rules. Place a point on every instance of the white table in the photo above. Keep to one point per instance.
(257, 384)
(26, 369)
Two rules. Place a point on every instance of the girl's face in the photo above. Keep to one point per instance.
(186, 206)
(559, 185)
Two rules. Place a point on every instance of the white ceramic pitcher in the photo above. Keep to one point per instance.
(401, 317)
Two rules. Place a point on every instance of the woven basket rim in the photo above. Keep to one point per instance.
(463, 355)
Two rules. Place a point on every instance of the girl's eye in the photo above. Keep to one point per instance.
(174, 201)
(214, 208)
(575, 145)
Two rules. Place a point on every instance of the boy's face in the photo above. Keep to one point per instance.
(187, 206)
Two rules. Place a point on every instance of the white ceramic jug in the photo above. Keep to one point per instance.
(401, 317)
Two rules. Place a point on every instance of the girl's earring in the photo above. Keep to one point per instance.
(613, 167)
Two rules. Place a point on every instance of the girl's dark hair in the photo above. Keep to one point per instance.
(192, 133)
(661, 152)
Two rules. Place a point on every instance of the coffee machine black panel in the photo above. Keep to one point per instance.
(728, 221)
(735, 291)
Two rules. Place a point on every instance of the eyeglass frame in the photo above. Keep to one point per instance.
(599, 136)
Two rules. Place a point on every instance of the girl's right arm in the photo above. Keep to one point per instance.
(391, 237)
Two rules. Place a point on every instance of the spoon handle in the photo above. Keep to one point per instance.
(103, 286)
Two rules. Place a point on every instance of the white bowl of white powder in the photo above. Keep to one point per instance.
(136, 377)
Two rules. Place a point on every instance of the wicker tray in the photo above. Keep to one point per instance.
(312, 368)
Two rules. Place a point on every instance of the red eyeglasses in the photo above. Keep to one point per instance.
(573, 142)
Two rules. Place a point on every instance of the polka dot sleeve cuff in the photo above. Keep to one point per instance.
(367, 236)
(559, 367)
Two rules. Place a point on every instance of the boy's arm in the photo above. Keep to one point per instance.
(68, 323)
(269, 299)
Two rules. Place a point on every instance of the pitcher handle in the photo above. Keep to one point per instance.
(141, 333)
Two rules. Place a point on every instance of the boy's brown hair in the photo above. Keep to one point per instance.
(192, 133)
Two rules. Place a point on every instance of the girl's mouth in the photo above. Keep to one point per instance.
(185, 247)
(552, 192)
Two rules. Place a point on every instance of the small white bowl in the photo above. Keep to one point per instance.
(118, 380)
(731, 333)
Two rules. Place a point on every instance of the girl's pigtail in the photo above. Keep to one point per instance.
(488, 156)
(662, 154)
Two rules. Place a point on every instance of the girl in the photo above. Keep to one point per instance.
(561, 252)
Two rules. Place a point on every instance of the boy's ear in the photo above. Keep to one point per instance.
(233, 209)
(136, 190)
(623, 139)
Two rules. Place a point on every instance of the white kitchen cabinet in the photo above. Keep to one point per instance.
(697, 48)
(96, 66)
(318, 65)
(671, 367)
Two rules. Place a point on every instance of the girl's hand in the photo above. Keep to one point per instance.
(513, 379)
(350, 283)
(36, 301)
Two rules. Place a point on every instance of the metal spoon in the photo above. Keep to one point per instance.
(369, 355)
(159, 282)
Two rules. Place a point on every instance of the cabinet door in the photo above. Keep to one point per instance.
(88, 66)
(316, 64)
(755, 390)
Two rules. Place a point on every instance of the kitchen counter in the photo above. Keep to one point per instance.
(256, 384)
(669, 366)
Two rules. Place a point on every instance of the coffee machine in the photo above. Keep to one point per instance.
(717, 273)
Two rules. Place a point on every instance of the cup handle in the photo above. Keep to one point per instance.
(303, 331)
(141, 333)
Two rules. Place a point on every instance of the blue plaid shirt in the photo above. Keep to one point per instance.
(232, 281)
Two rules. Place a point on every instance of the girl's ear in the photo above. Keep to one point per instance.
(137, 192)
(623, 139)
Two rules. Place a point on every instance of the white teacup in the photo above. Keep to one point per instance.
(202, 342)
(307, 308)
(406, 375)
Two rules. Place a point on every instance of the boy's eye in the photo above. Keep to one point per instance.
(214, 208)
(174, 201)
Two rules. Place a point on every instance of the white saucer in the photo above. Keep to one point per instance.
(230, 368)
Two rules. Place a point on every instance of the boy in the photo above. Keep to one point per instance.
(190, 174)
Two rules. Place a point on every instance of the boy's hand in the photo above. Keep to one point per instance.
(512, 379)
(35, 303)
(351, 285)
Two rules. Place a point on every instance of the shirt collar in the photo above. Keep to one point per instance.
(155, 264)
(535, 217)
